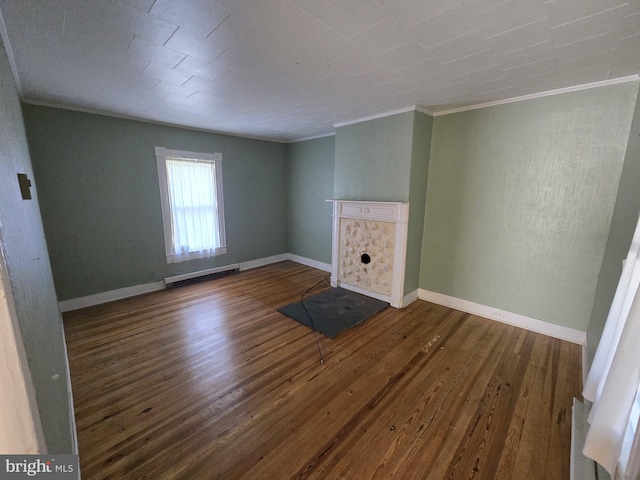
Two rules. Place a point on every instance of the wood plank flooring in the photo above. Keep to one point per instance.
(209, 381)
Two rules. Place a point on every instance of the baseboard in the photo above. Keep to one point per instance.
(110, 296)
(126, 292)
(261, 262)
(515, 319)
(410, 298)
(309, 262)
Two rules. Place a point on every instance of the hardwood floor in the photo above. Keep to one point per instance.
(209, 381)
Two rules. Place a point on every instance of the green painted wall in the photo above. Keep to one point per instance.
(625, 219)
(310, 184)
(373, 159)
(100, 198)
(520, 199)
(420, 154)
(25, 251)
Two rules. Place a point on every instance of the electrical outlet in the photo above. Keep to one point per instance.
(497, 314)
(152, 275)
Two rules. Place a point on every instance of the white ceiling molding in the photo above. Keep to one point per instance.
(374, 117)
(587, 86)
(424, 110)
(332, 134)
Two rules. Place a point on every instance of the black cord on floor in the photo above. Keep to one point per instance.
(315, 335)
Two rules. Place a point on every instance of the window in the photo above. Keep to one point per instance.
(192, 204)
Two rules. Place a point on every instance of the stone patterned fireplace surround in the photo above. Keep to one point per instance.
(370, 247)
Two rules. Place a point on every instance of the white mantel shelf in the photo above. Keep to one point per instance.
(383, 278)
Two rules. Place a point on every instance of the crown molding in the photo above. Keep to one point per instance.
(576, 88)
(331, 134)
(374, 117)
(424, 110)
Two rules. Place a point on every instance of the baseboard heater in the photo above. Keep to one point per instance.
(200, 274)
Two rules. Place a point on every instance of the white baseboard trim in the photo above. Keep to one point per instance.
(309, 262)
(515, 319)
(410, 298)
(261, 262)
(393, 301)
(126, 292)
(110, 296)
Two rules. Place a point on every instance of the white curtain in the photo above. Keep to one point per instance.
(194, 208)
(612, 383)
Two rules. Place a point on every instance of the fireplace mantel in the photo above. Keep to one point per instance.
(370, 247)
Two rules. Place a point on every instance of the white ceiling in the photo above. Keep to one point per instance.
(291, 69)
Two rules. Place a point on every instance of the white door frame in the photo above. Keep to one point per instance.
(20, 426)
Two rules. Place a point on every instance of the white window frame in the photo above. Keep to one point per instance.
(215, 158)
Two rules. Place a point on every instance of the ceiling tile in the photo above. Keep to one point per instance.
(192, 44)
(625, 65)
(381, 37)
(563, 12)
(592, 75)
(476, 7)
(521, 37)
(593, 26)
(472, 63)
(290, 23)
(449, 24)
(601, 43)
(588, 62)
(409, 12)
(350, 17)
(199, 16)
(113, 60)
(111, 39)
(510, 16)
(154, 53)
(144, 5)
(629, 45)
(166, 74)
(173, 90)
(148, 27)
(528, 54)
(631, 25)
(202, 85)
(419, 71)
(459, 47)
(182, 101)
(404, 56)
(534, 68)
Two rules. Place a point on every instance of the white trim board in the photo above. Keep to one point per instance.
(380, 115)
(109, 296)
(126, 292)
(539, 326)
(312, 137)
(260, 262)
(576, 88)
(309, 262)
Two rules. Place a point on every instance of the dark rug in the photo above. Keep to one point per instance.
(334, 310)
